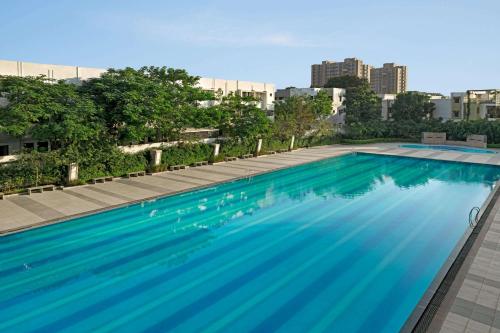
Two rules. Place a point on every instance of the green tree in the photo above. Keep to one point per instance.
(362, 105)
(301, 115)
(321, 105)
(149, 102)
(239, 116)
(47, 110)
(412, 105)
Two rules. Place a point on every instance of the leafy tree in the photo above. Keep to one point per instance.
(301, 115)
(47, 110)
(346, 81)
(26, 103)
(362, 105)
(239, 116)
(149, 102)
(413, 106)
(322, 105)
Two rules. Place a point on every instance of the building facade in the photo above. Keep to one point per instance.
(263, 92)
(389, 79)
(475, 104)
(321, 73)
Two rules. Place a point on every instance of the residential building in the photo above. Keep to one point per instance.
(337, 95)
(442, 107)
(389, 79)
(475, 104)
(263, 92)
(321, 73)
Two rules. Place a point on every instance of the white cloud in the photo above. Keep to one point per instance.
(211, 28)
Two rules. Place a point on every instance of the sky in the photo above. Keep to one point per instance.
(448, 45)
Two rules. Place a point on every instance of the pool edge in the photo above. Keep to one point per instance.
(426, 309)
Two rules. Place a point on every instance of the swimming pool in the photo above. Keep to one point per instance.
(348, 244)
(450, 148)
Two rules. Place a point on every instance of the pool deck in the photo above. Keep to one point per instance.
(471, 305)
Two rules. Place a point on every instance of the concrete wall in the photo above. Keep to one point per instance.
(264, 92)
(443, 108)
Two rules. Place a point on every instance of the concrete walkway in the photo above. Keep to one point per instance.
(472, 305)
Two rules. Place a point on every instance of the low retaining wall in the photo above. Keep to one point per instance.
(439, 138)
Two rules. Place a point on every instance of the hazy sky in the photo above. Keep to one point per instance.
(447, 45)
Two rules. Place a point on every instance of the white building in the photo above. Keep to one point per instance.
(263, 92)
(387, 100)
(442, 107)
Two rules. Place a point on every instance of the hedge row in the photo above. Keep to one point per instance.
(413, 130)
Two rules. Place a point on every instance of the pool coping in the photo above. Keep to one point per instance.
(69, 218)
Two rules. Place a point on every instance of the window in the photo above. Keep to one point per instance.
(43, 146)
(29, 146)
(4, 150)
(456, 99)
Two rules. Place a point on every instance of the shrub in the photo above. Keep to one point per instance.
(185, 153)
(235, 147)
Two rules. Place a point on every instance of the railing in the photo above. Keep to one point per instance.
(473, 216)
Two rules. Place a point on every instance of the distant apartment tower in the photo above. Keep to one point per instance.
(389, 79)
(321, 73)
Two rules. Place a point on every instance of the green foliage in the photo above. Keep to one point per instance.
(149, 102)
(412, 105)
(31, 169)
(410, 129)
(301, 116)
(235, 147)
(318, 140)
(361, 105)
(346, 81)
(274, 144)
(186, 154)
(53, 112)
(238, 117)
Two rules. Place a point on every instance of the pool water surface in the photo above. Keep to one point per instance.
(348, 244)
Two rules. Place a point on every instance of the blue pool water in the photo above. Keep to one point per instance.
(348, 244)
(450, 148)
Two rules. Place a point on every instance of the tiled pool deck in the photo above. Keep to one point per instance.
(471, 305)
